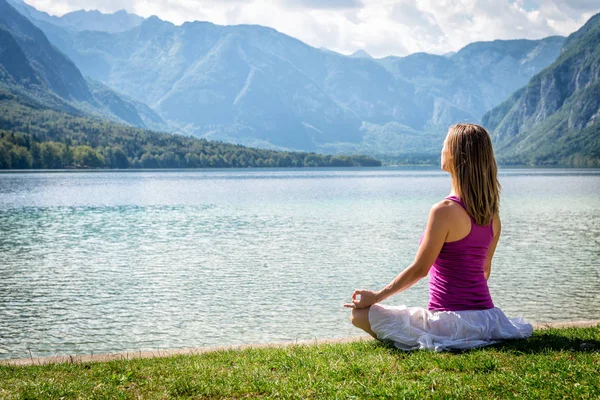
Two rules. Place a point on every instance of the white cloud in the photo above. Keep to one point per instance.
(381, 27)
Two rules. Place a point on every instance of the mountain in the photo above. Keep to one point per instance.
(32, 66)
(53, 68)
(246, 84)
(555, 118)
(360, 54)
(258, 87)
(253, 85)
(14, 66)
(82, 20)
(464, 85)
(94, 20)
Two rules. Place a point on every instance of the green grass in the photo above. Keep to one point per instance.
(552, 364)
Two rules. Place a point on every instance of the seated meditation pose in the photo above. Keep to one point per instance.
(456, 252)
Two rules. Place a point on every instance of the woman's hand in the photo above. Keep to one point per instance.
(362, 299)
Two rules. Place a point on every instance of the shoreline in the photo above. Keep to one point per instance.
(343, 168)
(87, 358)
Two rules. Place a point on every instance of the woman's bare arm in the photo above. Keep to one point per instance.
(435, 235)
(433, 240)
(490, 254)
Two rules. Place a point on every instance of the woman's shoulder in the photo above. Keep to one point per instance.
(446, 206)
(445, 211)
(450, 211)
(454, 210)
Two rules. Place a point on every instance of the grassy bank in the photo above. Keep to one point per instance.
(554, 363)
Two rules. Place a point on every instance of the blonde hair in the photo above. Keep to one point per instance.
(474, 171)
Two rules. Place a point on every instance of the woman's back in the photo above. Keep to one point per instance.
(457, 279)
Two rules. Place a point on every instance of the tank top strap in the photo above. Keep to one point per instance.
(457, 200)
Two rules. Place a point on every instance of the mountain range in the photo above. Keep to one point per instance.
(255, 86)
(555, 118)
(33, 67)
(82, 20)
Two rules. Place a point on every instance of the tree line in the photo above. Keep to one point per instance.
(42, 138)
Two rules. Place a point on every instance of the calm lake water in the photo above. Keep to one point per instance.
(125, 261)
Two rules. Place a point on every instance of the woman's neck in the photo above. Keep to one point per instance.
(453, 191)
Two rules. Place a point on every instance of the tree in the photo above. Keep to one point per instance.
(5, 158)
(67, 156)
(148, 161)
(192, 160)
(85, 156)
(36, 155)
(169, 160)
(311, 160)
(51, 154)
(120, 159)
(20, 158)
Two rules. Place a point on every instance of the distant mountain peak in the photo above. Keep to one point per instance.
(98, 13)
(360, 54)
(197, 23)
(155, 20)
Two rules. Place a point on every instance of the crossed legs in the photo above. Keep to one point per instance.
(360, 319)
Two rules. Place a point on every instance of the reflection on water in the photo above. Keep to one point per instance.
(106, 261)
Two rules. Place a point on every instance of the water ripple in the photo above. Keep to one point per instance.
(102, 262)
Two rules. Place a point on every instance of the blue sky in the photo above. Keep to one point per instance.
(381, 27)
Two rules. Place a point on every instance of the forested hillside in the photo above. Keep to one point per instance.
(35, 136)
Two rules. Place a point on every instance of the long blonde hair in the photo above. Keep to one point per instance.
(474, 171)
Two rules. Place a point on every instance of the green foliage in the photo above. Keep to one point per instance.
(85, 156)
(33, 136)
(411, 159)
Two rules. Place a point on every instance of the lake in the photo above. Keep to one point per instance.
(127, 261)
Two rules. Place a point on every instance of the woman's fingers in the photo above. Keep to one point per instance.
(356, 299)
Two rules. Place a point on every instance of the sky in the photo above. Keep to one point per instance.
(379, 27)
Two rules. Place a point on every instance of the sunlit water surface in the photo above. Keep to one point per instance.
(126, 261)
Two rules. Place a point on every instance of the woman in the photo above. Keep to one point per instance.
(456, 250)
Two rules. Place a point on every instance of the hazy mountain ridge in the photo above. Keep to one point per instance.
(360, 54)
(254, 85)
(82, 20)
(481, 75)
(555, 118)
(33, 67)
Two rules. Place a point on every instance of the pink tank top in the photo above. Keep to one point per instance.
(456, 279)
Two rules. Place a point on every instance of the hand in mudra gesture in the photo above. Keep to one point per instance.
(362, 299)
